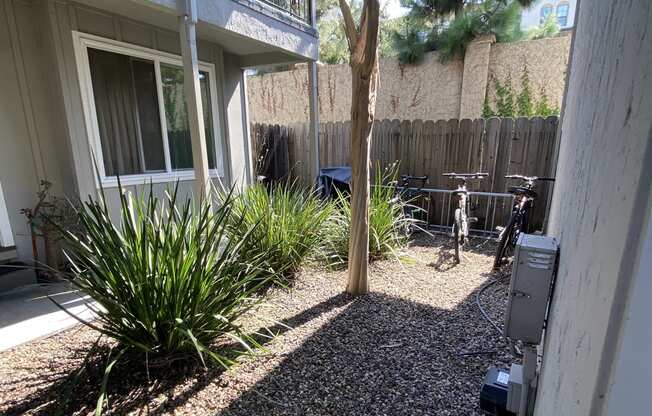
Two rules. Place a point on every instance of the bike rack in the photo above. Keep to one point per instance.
(487, 231)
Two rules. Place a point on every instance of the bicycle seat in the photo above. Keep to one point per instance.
(522, 190)
(407, 179)
(414, 178)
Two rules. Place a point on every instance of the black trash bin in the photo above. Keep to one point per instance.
(334, 179)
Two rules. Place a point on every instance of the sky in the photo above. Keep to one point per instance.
(394, 8)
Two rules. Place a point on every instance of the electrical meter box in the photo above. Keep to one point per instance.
(535, 259)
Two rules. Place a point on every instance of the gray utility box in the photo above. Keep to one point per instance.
(534, 265)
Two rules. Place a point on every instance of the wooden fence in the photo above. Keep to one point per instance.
(498, 146)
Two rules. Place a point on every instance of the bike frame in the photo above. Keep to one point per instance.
(411, 194)
(518, 222)
(460, 229)
(463, 204)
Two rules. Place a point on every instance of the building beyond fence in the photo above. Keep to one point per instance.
(496, 146)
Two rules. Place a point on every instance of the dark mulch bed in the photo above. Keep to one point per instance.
(396, 351)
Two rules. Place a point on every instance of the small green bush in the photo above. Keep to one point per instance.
(288, 221)
(168, 279)
(389, 227)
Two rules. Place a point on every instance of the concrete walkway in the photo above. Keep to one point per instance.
(27, 314)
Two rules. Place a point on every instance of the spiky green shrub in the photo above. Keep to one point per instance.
(389, 226)
(288, 222)
(168, 279)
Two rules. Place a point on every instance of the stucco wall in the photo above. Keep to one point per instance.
(430, 90)
(602, 201)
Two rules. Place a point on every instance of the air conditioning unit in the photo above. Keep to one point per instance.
(535, 259)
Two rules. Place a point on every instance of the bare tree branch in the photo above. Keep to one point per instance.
(364, 52)
(349, 26)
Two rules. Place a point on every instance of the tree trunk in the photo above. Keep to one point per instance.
(363, 45)
(362, 115)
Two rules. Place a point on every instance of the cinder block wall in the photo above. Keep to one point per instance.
(431, 90)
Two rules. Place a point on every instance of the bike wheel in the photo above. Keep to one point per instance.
(507, 239)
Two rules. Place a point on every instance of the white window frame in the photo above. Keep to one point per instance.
(543, 18)
(562, 3)
(83, 41)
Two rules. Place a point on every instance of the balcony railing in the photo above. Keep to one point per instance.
(299, 9)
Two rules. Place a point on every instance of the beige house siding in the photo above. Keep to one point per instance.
(43, 134)
(33, 141)
(431, 90)
(232, 139)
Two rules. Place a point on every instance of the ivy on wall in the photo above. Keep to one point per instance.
(522, 103)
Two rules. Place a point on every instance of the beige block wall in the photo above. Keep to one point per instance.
(430, 90)
(474, 80)
(405, 92)
(546, 59)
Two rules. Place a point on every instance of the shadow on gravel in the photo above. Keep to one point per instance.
(131, 388)
(381, 356)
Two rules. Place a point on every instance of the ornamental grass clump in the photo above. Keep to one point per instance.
(287, 222)
(389, 226)
(168, 279)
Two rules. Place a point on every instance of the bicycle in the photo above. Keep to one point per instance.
(518, 220)
(410, 193)
(460, 229)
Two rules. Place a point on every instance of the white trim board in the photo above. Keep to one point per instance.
(82, 41)
(6, 235)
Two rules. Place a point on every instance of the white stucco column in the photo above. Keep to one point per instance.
(187, 31)
(314, 120)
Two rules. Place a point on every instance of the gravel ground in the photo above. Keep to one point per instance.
(396, 351)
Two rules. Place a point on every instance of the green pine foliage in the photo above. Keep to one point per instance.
(453, 40)
(448, 26)
(409, 46)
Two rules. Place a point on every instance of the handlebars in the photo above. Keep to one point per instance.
(530, 178)
(477, 175)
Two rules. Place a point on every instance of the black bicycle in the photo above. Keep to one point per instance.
(461, 224)
(524, 197)
(411, 191)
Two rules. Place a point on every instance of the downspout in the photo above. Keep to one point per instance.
(187, 10)
(313, 83)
